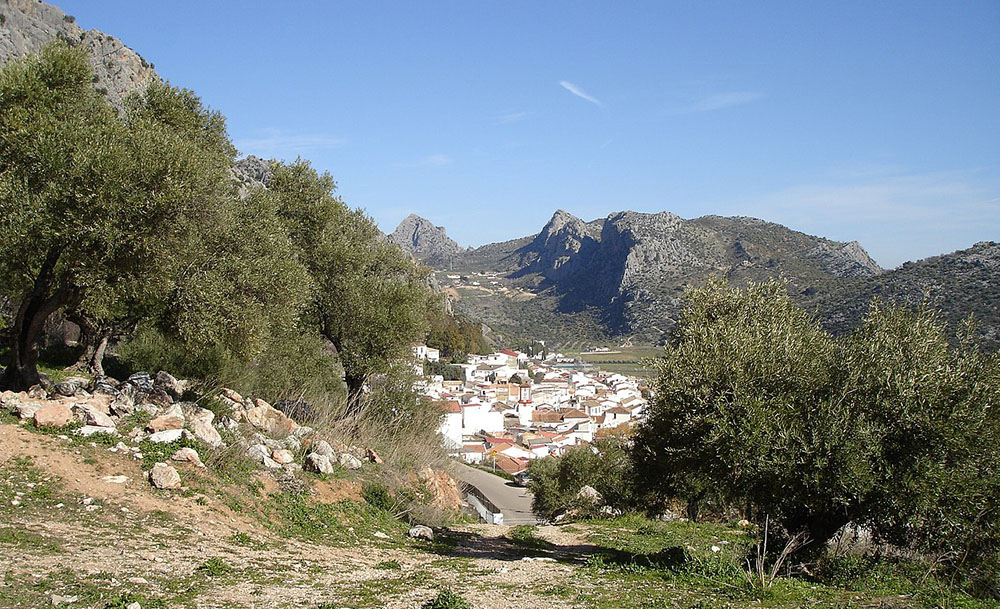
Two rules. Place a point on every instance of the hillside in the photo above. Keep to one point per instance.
(624, 275)
(959, 284)
(427, 242)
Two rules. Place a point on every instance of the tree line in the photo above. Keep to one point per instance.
(132, 224)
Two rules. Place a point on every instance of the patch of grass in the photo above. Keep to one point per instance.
(215, 567)
(527, 536)
(446, 599)
(153, 452)
(345, 522)
(20, 538)
(387, 565)
(246, 541)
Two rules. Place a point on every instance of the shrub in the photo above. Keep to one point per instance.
(446, 599)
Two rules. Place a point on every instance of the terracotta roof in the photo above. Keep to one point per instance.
(511, 466)
(452, 407)
(473, 448)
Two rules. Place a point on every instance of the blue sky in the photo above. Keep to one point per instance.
(877, 122)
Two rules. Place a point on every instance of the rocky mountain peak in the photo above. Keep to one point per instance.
(28, 25)
(428, 243)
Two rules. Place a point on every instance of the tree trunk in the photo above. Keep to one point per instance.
(88, 339)
(96, 364)
(355, 395)
(36, 307)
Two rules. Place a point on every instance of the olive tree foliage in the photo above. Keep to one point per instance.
(605, 466)
(368, 298)
(758, 407)
(117, 217)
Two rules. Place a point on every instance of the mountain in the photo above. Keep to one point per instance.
(28, 25)
(426, 242)
(959, 284)
(623, 275)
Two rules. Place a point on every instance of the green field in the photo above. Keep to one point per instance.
(623, 360)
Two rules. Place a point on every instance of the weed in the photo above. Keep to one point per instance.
(446, 599)
(154, 452)
(526, 536)
(386, 565)
(215, 567)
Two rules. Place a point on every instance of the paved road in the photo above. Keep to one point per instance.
(514, 501)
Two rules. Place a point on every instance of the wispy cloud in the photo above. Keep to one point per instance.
(576, 90)
(510, 117)
(896, 217)
(431, 160)
(720, 101)
(280, 144)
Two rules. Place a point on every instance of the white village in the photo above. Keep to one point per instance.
(511, 407)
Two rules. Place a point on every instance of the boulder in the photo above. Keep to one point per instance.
(123, 403)
(283, 456)
(200, 424)
(157, 397)
(9, 399)
(171, 386)
(589, 495)
(68, 388)
(187, 455)
(421, 532)
(104, 385)
(231, 395)
(318, 463)
(88, 415)
(258, 453)
(27, 410)
(166, 436)
(349, 461)
(268, 419)
(141, 381)
(292, 443)
(372, 456)
(322, 447)
(164, 476)
(89, 430)
(171, 419)
(53, 415)
(37, 392)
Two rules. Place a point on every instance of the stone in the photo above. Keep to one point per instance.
(589, 494)
(9, 399)
(68, 388)
(27, 410)
(229, 394)
(283, 456)
(187, 455)
(302, 431)
(133, 605)
(157, 397)
(141, 381)
(166, 436)
(372, 456)
(88, 430)
(88, 415)
(258, 453)
(123, 404)
(164, 476)
(57, 599)
(421, 532)
(268, 419)
(109, 479)
(171, 419)
(349, 461)
(170, 385)
(200, 424)
(322, 447)
(318, 463)
(104, 386)
(292, 443)
(37, 392)
(53, 415)
(380, 535)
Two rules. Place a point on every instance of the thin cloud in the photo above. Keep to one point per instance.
(721, 101)
(511, 117)
(575, 90)
(279, 144)
(431, 160)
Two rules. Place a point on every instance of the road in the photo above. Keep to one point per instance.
(514, 501)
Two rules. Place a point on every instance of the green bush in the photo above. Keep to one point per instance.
(446, 599)
(605, 465)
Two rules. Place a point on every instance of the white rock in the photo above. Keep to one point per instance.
(166, 436)
(88, 430)
(421, 532)
(322, 447)
(349, 461)
(112, 480)
(164, 476)
(188, 455)
(318, 463)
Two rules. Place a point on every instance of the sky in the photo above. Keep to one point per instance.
(870, 121)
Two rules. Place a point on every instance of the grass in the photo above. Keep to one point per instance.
(526, 536)
(447, 599)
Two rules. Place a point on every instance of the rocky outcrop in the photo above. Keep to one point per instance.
(428, 243)
(28, 25)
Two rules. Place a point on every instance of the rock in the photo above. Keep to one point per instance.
(349, 461)
(68, 388)
(27, 410)
(171, 386)
(743, 524)
(57, 599)
(123, 404)
(283, 456)
(258, 453)
(167, 436)
(268, 419)
(158, 397)
(9, 399)
(421, 532)
(134, 604)
(380, 535)
(322, 447)
(228, 424)
(88, 430)
(231, 395)
(88, 415)
(171, 419)
(200, 424)
(372, 456)
(426, 242)
(112, 480)
(164, 476)
(292, 443)
(318, 463)
(187, 455)
(103, 385)
(303, 431)
(37, 392)
(259, 438)
(53, 415)
(141, 381)
(589, 494)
